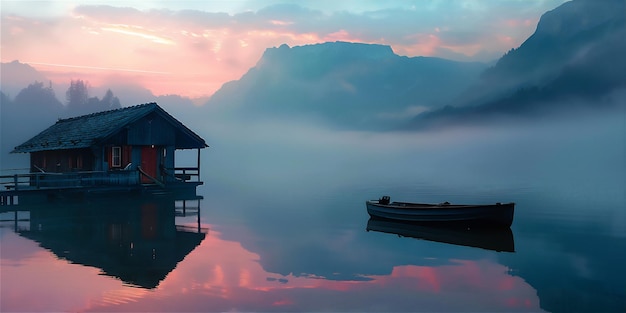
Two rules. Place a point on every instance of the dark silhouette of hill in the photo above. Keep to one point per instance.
(343, 84)
(15, 76)
(574, 58)
(33, 109)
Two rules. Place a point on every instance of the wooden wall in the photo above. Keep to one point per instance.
(151, 130)
(62, 161)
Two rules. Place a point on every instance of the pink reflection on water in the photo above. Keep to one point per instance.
(220, 275)
(40, 282)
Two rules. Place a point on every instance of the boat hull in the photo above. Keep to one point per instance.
(496, 239)
(490, 215)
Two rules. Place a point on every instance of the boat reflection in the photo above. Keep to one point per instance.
(134, 240)
(500, 240)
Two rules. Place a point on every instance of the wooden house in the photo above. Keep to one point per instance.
(125, 148)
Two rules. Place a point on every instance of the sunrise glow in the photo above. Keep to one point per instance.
(192, 52)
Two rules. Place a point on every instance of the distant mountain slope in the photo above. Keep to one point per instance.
(575, 55)
(344, 84)
(15, 76)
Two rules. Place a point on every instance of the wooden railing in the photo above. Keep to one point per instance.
(185, 173)
(67, 180)
(39, 180)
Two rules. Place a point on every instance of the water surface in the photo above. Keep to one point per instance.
(283, 227)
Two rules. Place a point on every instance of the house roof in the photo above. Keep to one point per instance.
(89, 130)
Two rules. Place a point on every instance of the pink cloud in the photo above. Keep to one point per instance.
(94, 49)
(200, 51)
(424, 44)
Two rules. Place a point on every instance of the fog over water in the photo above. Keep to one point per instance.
(284, 204)
(270, 172)
(563, 154)
(299, 190)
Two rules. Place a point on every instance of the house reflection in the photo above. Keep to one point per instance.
(496, 239)
(135, 240)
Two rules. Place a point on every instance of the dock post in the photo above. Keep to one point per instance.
(199, 228)
(198, 164)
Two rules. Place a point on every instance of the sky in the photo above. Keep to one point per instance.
(191, 48)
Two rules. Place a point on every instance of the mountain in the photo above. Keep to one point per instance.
(16, 76)
(575, 56)
(343, 84)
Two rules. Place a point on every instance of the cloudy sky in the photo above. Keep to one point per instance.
(191, 48)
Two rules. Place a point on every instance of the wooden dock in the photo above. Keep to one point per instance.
(92, 183)
(131, 149)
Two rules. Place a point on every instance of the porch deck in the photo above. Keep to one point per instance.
(94, 183)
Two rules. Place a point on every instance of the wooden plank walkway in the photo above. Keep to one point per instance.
(80, 184)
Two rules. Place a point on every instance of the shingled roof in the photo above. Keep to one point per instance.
(88, 130)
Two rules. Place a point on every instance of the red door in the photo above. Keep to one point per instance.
(148, 163)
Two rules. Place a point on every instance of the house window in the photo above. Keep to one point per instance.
(116, 157)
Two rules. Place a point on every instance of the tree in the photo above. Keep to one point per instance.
(33, 109)
(77, 94)
(110, 102)
(79, 102)
(37, 96)
(93, 104)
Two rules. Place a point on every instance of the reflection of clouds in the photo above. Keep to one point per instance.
(55, 284)
(14, 250)
(118, 296)
(220, 275)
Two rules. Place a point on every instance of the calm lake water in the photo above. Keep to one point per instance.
(283, 227)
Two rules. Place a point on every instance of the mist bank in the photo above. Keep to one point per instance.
(268, 155)
(526, 106)
(299, 188)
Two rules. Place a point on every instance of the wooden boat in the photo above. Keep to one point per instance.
(496, 239)
(483, 215)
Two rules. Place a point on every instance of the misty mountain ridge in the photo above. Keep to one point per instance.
(16, 76)
(564, 36)
(574, 58)
(343, 84)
